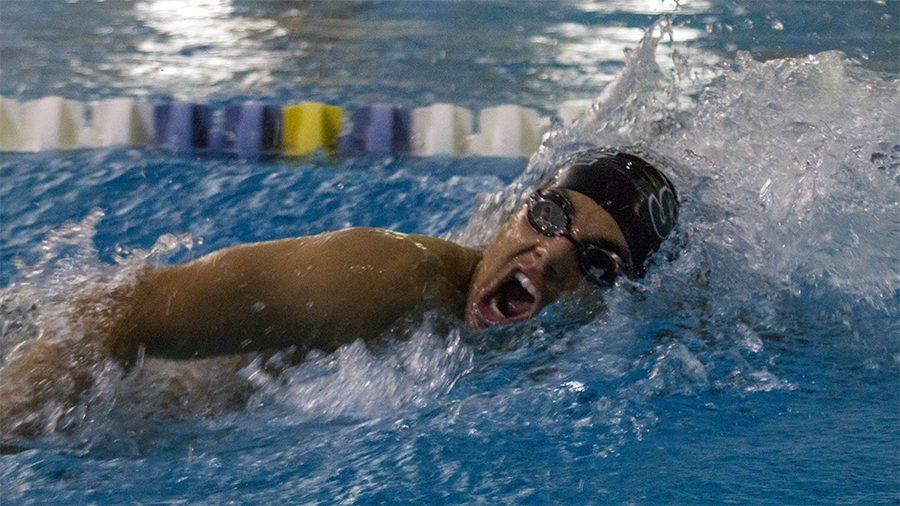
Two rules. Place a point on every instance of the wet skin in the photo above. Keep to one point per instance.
(548, 263)
(328, 290)
(320, 292)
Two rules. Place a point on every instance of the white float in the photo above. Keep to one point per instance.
(52, 123)
(507, 130)
(440, 129)
(120, 122)
(570, 110)
(12, 135)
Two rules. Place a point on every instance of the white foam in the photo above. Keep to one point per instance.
(570, 110)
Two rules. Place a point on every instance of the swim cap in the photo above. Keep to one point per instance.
(640, 198)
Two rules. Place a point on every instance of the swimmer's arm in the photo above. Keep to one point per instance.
(223, 304)
(309, 292)
(44, 383)
(312, 292)
(164, 312)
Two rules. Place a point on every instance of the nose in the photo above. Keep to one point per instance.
(556, 261)
(547, 266)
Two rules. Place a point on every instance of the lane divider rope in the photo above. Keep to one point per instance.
(256, 128)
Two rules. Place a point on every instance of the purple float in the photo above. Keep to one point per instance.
(379, 129)
(250, 129)
(182, 127)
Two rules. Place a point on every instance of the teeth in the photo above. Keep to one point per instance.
(526, 283)
(494, 306)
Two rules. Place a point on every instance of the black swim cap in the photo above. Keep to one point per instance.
(640, 198)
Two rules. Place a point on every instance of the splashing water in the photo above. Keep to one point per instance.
(783, 263)
(788, 172)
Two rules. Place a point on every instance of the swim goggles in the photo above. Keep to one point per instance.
(549, 213)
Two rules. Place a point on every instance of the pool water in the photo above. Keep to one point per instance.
(758, 360)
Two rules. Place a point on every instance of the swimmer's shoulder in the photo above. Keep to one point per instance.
(389, 239)
(353, 238)
(422, 255)
(440, 249)
(374, 245)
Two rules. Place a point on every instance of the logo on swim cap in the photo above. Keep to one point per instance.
(662, 208)
(638, 196)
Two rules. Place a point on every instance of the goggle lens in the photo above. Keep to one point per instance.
(548, 218)
(598, 265)
(548, 213)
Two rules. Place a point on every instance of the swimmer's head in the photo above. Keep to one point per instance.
(599, 216)
(639, 197)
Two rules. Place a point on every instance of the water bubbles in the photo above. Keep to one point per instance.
(574, 386)
(168, 244)
(360, 383)
(765, 196)
(765, 381)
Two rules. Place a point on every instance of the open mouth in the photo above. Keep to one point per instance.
(515, 298)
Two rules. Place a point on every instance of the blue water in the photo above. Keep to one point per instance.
(757, 362)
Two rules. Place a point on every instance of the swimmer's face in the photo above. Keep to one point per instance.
(522, 270)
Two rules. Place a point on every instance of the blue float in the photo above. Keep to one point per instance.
(160, 121)
(182, 126)
(378, 129)
(256, 128)
(250, 129)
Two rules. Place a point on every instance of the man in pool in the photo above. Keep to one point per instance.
(599, 216)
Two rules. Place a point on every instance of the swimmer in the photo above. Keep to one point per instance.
(599, 216)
